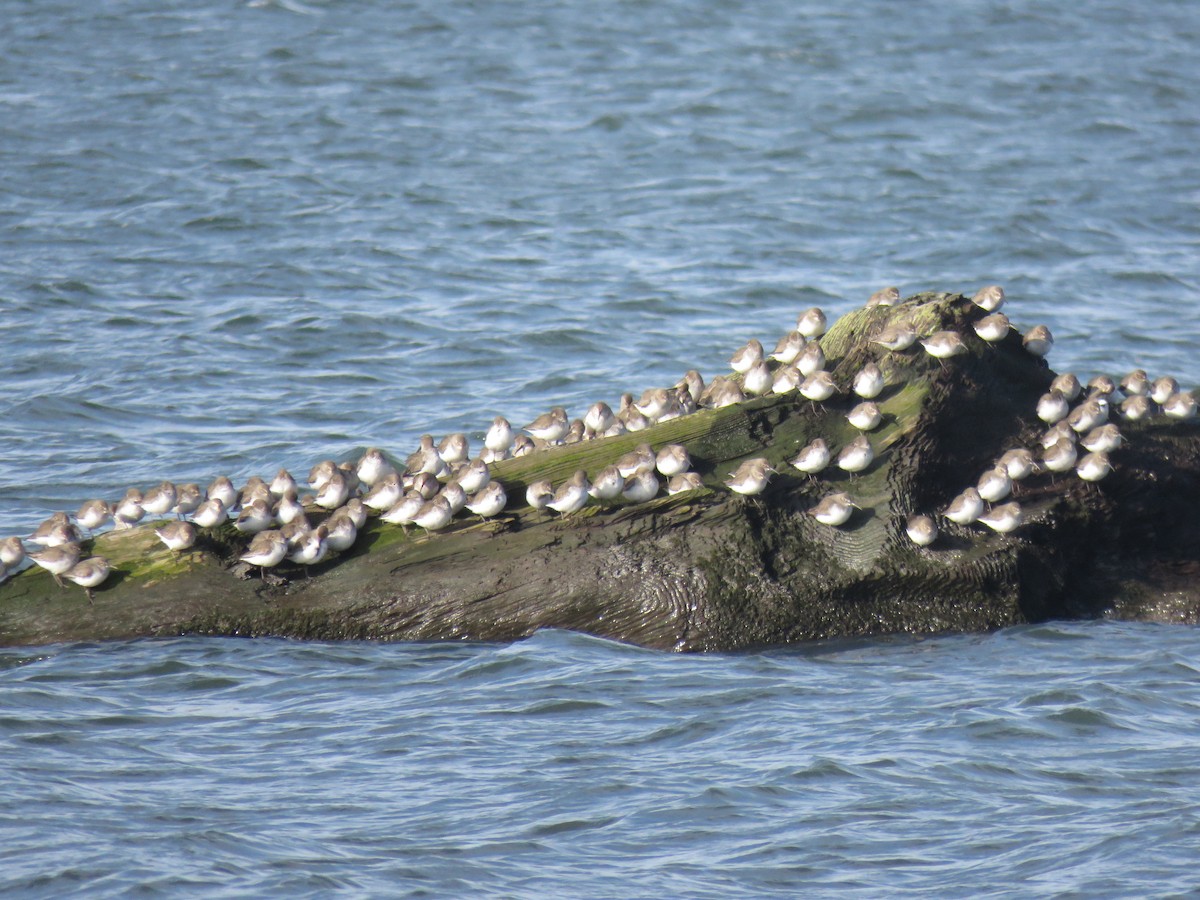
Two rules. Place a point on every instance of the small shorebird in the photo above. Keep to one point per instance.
(1136, 384)
(88, 574)
(1094, 466)
(57, 560)
(1038, 340)
(889, 296)
(1003, 518)
(684, 481)
(835, 509)
(993, 328)
(539, 494)
(758, 380)
(789, 348)
(747, 357)
(188, 498)
(572, 495)
(454, 448)
(210, 513)
(1052, 407)
(608, 484)
(177, 536)
(813, 458)
(944, 344)
(499, 437)
(550, 427)
(340, 531)
(811, 360)
(372, 466)
(865, 416)
(868, 383)
(159, 500)
(673, 459)
(641, 487)
(1068, 385)
(990, 298)
(812, 323)
(474, 477)
(995, 484)
(896, 337)
(405, 511)
(222, 489)
(856, 456)
(818, 387)
(640, 459)
(965, 508)
(921, 530)
(751, 477)
(489, 501)
(434, 515)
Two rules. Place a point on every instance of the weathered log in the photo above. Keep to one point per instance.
(709, 570)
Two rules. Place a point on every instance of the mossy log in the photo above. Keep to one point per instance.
(708, 569)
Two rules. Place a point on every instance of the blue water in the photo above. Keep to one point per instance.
(239, 236)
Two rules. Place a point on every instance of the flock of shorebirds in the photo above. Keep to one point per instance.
(440, 479)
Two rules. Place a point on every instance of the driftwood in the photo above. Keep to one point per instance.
(708, 569)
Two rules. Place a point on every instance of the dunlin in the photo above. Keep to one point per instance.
(12, 551)
(990, 298)
(1053, 407)
(835, 509)
(1019, 463)
(1180, 405)
(89, 574)
(550, 427)
(965, 508)
(474, 477)
(94, 514)
(356, 511)
(629, 415)
(222, 489)
(434, 515)
(406, 509)
(455, 497)
(694, 383)
(865, 416)
(284, 482)
(177, 536)
(539, 494)
(128, 511)
(787, 379)
(750, 477)
(385, 494)
(1094, 466)
(499, 438)
(641, 459)
(868, 383)
(818, 387)
(641, 487)
(267, 549)
(747, 357)
(188, 498)
(599, 417)
(159, 500)
(684, 481)
(813, 458)
(454, 448)
(59, 534)
(944, 344)
(654, 403)
(889, 296)
(334, 493)
(57, 560)
(340, 532)
(312, 548)
(789, 348)
(1004, 518)
(812, 323)
(1038, 340)
(727, 393)
(896, 337)
(1102, 384)
(1135, 407)
(372, 466)
(1068, 385)
(1102, 439)
(210, 513)
(255, 516)
(673, 459)
(1162, 388)
(1061, 456)
(758, 380)
(608, 484)
(572, 495)
(289, 507)
(1088, 414)
(1136, 384)
(994, 484)
(523, 445)
(856, 456)
(320, 473)
(993, 328)
(488, 501)
(811, 360)
(921, 530)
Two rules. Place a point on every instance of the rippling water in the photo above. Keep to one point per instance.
(237, 236)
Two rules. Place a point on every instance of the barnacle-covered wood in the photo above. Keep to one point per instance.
(709, 570)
